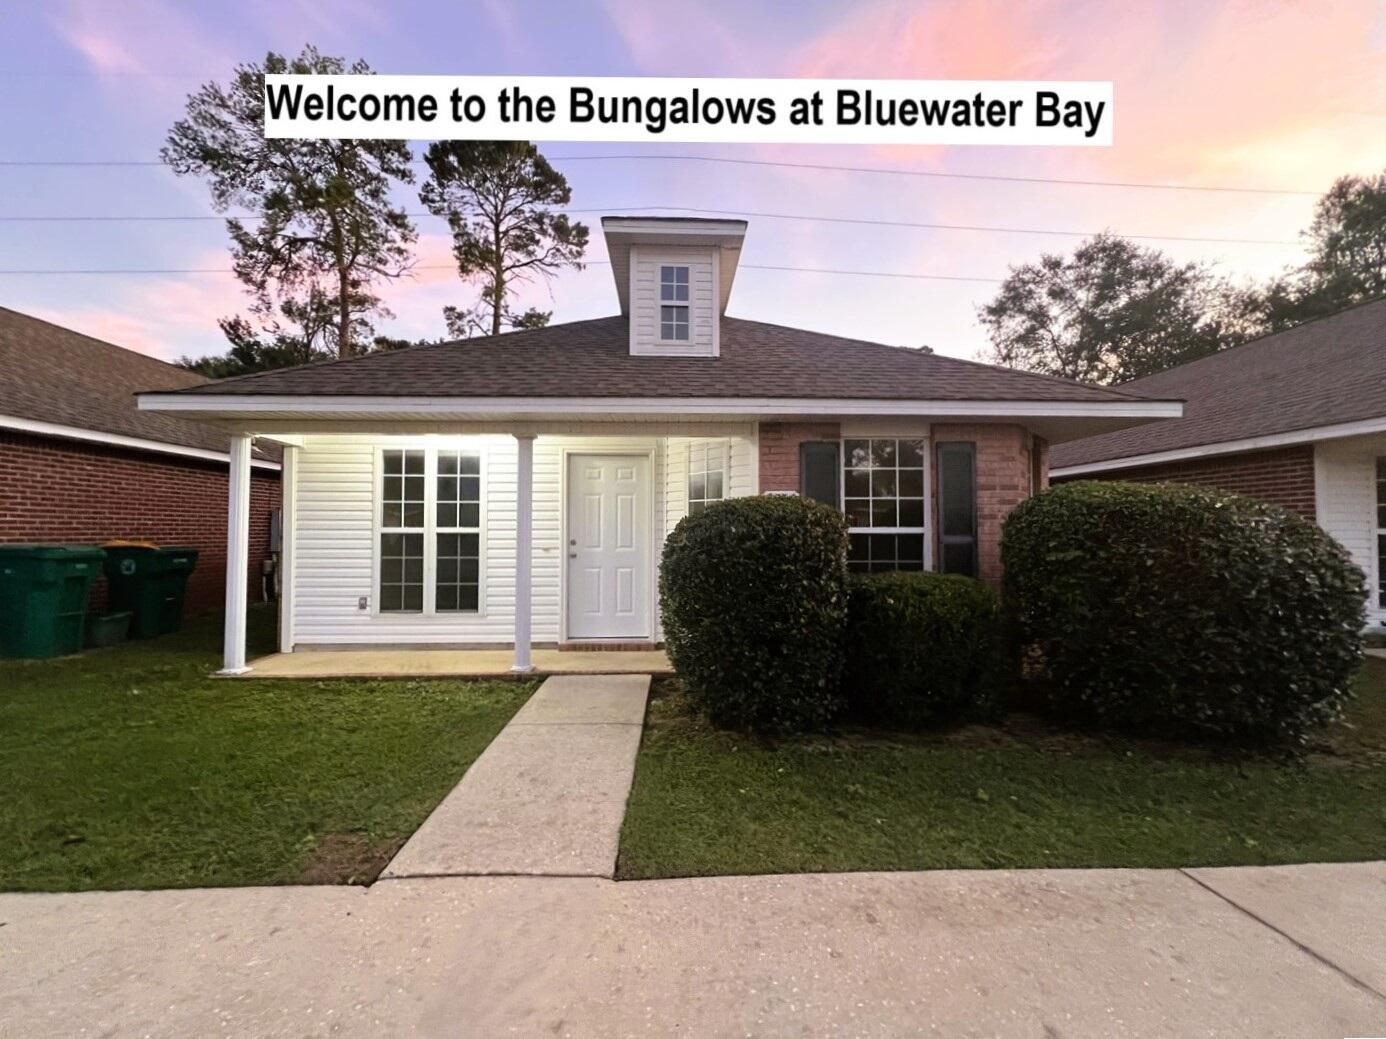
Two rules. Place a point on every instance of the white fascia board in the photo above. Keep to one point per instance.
(239, 405)
(1364, 427)
(682, 229)
(96, 436)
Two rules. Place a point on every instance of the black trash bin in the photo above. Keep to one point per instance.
(151, 584)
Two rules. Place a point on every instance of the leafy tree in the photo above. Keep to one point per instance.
(1347, 256)
(322, 233)
(499, 199)
(251, 353)
(1111, 312)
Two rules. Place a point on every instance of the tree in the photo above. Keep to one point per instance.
(1347, 256)
(251, 353)
(1111, 312)
(322, 233)
(498, 198)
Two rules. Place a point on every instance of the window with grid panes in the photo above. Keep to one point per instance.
(707, 475)
(430, 527)
(883, 500)
(1381, 532)
(457, 532)
(673, 300)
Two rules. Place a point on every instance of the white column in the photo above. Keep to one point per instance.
(237, 555)
(524, 539)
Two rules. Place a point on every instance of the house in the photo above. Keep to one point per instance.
(518, 489)
(1297, 418)
(80, 464)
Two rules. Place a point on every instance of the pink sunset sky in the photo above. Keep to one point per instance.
(1279, 96)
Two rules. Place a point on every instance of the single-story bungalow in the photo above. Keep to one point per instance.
(80, 464)
(1297, 418)
(517, 489)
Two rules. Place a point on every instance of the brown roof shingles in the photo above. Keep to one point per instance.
(592, 359)
(52, 374)
(1322, 373)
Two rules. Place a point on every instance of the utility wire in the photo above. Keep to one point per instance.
(984, 228)
(449, 267)
(828, 167)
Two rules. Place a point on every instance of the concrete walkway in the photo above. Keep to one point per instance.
(1295, 951)
(452, 663)
(547, 797)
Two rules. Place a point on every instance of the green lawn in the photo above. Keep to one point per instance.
(1019, 795)
(131, 768)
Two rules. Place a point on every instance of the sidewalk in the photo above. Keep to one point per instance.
(547, 797)
(1287, 951)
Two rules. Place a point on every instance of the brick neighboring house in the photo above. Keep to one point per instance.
(1297, 418)
(80, 464)
(519, 488)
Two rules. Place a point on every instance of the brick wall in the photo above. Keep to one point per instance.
(779, 451)
(65, 491)
(1283, 476)
(1003, 482)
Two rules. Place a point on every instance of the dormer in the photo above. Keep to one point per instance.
(673, 277)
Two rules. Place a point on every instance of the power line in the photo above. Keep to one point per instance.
(862, 221)
(827, 167)
(448, 267)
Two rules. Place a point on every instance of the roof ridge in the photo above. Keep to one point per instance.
(1262, 338)
(104, 342)
(957, 360)
(324, 362)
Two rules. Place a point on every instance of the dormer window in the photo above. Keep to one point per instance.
(673, 303)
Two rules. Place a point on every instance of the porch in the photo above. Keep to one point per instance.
(454, 663)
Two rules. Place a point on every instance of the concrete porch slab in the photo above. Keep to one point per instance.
(548, 796)
(452, 663)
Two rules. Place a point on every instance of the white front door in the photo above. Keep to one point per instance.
(608, 549)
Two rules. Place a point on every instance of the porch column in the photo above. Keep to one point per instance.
(237, 554)
(524, 538)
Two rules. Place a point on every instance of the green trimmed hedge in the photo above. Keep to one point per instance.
(922, 647)
(754, 597)
(1184, 610)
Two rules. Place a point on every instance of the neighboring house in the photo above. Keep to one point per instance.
(80, 464)
(421, 510)
(1297, 418)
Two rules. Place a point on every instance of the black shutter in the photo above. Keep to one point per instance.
(957, 508)
(818, 475)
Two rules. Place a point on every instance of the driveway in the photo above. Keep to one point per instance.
(1294, 951)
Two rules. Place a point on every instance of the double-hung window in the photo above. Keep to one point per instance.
(1381, 533)
(707, 474)
(430, 531)
(673, 303)
(883, 498)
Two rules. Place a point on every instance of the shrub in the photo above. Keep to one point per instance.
(1184, 609)
(921, 647)
(754, 600)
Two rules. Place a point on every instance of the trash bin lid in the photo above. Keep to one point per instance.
(51, 552)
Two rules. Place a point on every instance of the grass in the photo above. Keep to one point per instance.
(1019, 795)
(131, 768)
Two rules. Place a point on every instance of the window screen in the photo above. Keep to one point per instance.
(957, 508)
(818, 471)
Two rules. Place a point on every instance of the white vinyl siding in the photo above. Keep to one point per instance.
(335, 561)
(740, 453)
(1345, 505)
(647, 305)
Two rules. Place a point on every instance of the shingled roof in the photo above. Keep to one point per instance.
(593, 359)
(54, 375)
(1322, 373)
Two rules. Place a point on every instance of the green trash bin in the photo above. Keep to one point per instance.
(150, 583)
(43, 598)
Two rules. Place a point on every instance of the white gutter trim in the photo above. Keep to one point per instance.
(96, 436)
(247, 405)
(1363, 427)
